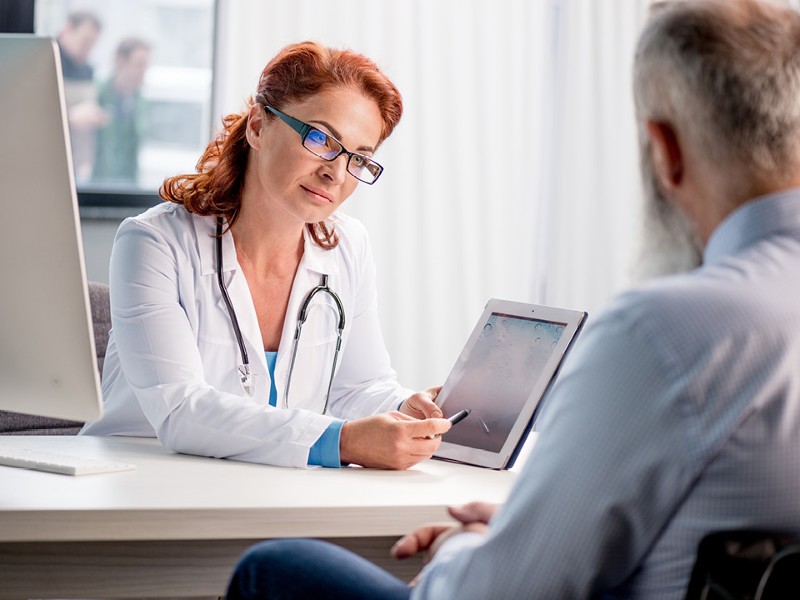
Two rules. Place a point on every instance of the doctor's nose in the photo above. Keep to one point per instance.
(335, 170)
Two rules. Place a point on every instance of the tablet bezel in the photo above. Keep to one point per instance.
(573, 321)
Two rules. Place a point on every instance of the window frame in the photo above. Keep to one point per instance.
(18, 16)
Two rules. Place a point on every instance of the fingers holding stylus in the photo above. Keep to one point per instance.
(390, 440)
(422, 405)
(426, 429)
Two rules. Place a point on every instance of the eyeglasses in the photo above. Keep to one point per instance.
(329, 148)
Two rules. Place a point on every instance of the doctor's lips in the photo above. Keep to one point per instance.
(318, 192)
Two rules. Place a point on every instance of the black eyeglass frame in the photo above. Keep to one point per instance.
(304, 129)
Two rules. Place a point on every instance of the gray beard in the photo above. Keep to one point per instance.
(669, 244)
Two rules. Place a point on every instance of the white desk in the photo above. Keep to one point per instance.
(176, 525)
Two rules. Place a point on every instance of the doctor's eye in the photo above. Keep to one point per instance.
(322, 144)
(358, 161)
(317, 138)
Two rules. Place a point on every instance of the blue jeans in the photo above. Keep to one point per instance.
(301, 568)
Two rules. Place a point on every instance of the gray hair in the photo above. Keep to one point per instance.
(727, 74)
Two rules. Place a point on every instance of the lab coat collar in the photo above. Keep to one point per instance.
(205, 230)
(315, 258)
(316, 261)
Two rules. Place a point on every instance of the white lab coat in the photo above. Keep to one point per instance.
(171, 365)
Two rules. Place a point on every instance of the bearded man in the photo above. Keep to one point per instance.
(678, 413)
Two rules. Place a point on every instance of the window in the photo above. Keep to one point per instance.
(138, 81)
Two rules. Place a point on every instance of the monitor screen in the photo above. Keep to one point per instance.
(47, 355)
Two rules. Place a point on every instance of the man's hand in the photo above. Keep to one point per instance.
(86, 116)
(473, 517)
(390, 440)
(421, 405)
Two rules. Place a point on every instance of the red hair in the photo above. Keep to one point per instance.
(296, 73)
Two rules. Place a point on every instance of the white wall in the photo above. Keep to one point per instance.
(98, 237)
(454, 218)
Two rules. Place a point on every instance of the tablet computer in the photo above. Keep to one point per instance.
(507, 366)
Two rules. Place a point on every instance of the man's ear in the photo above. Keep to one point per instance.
(255, 120)
(667, 153)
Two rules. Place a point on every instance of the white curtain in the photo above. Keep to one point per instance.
(591, 182)
(513, 173)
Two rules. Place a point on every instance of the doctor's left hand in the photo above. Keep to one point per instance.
(422, 404)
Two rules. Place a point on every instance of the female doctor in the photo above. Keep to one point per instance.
(244, 313)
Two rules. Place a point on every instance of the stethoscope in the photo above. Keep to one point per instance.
(243, 369)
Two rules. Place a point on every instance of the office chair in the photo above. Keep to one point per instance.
(12, 423)
(101, 319)
(746, 565)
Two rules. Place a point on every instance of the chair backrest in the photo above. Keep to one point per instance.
(746, 565)
(782, 577)
(101, 319)
(12, 423)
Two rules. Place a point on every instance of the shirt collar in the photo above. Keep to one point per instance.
(754, 220)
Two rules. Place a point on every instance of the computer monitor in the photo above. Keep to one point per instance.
(47, 355)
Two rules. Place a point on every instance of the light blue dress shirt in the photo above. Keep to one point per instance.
(325, 451)
(677, 414)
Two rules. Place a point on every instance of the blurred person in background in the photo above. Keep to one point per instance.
(76, 40)
(119, 139)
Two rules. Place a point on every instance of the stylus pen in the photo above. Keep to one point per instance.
(456, 418)
(459, 416)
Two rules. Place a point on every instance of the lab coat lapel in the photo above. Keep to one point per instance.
(238, 290)
(242, 301)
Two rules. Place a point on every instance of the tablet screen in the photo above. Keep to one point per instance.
(508, 358)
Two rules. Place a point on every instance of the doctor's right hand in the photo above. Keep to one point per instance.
(390, 440)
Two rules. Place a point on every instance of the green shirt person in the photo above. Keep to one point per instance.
(118, 142)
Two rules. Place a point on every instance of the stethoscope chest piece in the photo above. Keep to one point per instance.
(246, 379)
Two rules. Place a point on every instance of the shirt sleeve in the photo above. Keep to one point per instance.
(325, 451)
(605, 475)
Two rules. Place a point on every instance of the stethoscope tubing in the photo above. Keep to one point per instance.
(244, 369)
(301, 319)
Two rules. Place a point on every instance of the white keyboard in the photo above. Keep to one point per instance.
(52, 462)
